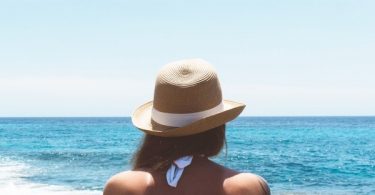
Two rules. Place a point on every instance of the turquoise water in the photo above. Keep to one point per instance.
(296, 155)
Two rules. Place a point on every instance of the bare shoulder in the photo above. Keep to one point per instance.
(128, 182)
(246, 184)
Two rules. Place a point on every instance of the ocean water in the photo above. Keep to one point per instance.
(296, 155)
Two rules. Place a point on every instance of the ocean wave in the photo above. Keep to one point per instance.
(12, 182)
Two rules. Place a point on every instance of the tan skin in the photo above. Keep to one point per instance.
(202, 177)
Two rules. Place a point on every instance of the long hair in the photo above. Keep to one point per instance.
(157, 153)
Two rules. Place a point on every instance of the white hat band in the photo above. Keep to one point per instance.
(180, 120)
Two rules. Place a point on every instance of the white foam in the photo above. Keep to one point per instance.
(11, 182)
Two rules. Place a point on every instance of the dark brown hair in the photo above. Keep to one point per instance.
(157, 153)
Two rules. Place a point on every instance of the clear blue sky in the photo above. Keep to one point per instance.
(100, 58)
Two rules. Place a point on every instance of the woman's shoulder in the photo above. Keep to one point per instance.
(237, 183)
(128, 182)
(246, 183)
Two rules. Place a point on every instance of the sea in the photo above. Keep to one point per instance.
(296, 155)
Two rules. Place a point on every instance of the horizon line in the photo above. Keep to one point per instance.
(246, 116)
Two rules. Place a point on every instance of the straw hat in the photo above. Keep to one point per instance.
(187, 101)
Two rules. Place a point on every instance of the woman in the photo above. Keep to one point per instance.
(184, 125)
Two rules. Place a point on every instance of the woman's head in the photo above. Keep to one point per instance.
(186, 117)
(157, 153)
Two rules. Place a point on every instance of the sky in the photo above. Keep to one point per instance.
(100, 58)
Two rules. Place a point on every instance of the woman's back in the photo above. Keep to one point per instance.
(202, 177)
(184, 125)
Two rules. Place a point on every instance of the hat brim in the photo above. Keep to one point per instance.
(141, 119)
